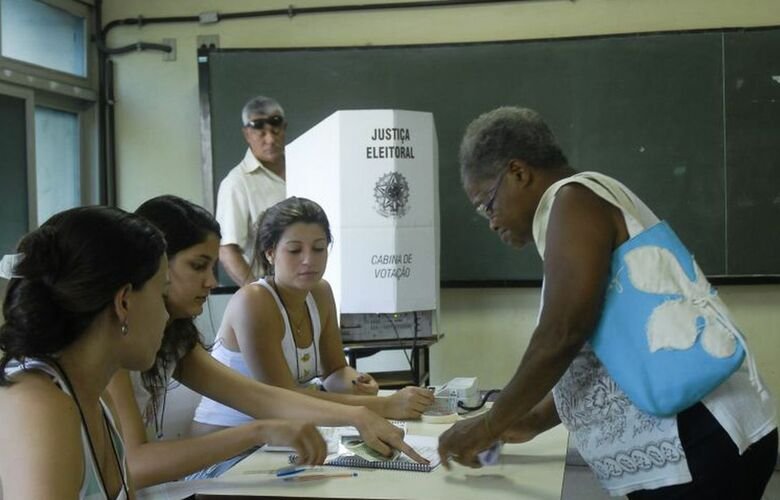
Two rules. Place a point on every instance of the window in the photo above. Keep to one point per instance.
(57, 161)
(43, 35)
(48, 113)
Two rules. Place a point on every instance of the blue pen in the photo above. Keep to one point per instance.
(289, 471)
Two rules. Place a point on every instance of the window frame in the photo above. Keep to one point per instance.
(30, 74)
(45, 87)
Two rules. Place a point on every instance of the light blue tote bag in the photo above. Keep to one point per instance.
(664, 335)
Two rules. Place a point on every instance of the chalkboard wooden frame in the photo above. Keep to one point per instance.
(683, 192)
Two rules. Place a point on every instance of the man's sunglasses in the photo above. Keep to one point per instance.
(275, 121)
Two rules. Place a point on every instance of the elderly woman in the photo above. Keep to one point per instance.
(722, 446)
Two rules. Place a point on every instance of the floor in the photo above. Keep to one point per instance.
(579, 483)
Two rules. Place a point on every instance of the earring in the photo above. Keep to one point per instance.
(123, 329)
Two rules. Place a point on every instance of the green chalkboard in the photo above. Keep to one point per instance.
(647, 109)
(752, 86)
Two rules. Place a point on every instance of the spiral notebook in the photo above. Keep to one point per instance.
(354, 453)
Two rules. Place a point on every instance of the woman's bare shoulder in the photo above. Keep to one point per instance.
(42, 425)
(34, 404)
(252, 308)
(251, 298)
(322, 291)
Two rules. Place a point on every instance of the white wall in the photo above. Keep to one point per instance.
(487, 330)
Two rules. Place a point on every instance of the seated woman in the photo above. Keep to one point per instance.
(85, 298)
(193, 245)
(283, 330)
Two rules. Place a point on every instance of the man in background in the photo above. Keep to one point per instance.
(253, 185)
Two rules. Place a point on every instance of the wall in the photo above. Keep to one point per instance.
(157, 120)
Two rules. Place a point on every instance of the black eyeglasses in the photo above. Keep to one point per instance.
(485, 209)
(274, 121)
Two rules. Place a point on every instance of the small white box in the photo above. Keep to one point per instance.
(463, 389)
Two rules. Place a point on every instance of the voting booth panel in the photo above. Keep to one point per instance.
(375, 173)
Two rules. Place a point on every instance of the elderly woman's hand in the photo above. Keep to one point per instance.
(464, 440)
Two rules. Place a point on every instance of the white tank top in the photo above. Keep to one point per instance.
(305, 364)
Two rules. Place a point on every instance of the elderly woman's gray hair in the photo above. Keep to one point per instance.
(503, 134)
(260, 105)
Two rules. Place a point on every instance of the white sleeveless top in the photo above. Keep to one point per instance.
(92, 487)
(627, 449)
(153, 420)
(305, 364)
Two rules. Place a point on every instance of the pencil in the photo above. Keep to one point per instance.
(313, 477)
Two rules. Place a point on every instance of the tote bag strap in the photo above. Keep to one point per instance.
(637, 215)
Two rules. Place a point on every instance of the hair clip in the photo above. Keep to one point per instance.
(8, 264)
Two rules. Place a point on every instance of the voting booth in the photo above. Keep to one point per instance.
(375, 172)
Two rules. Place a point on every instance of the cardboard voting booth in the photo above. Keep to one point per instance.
(375, 172)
